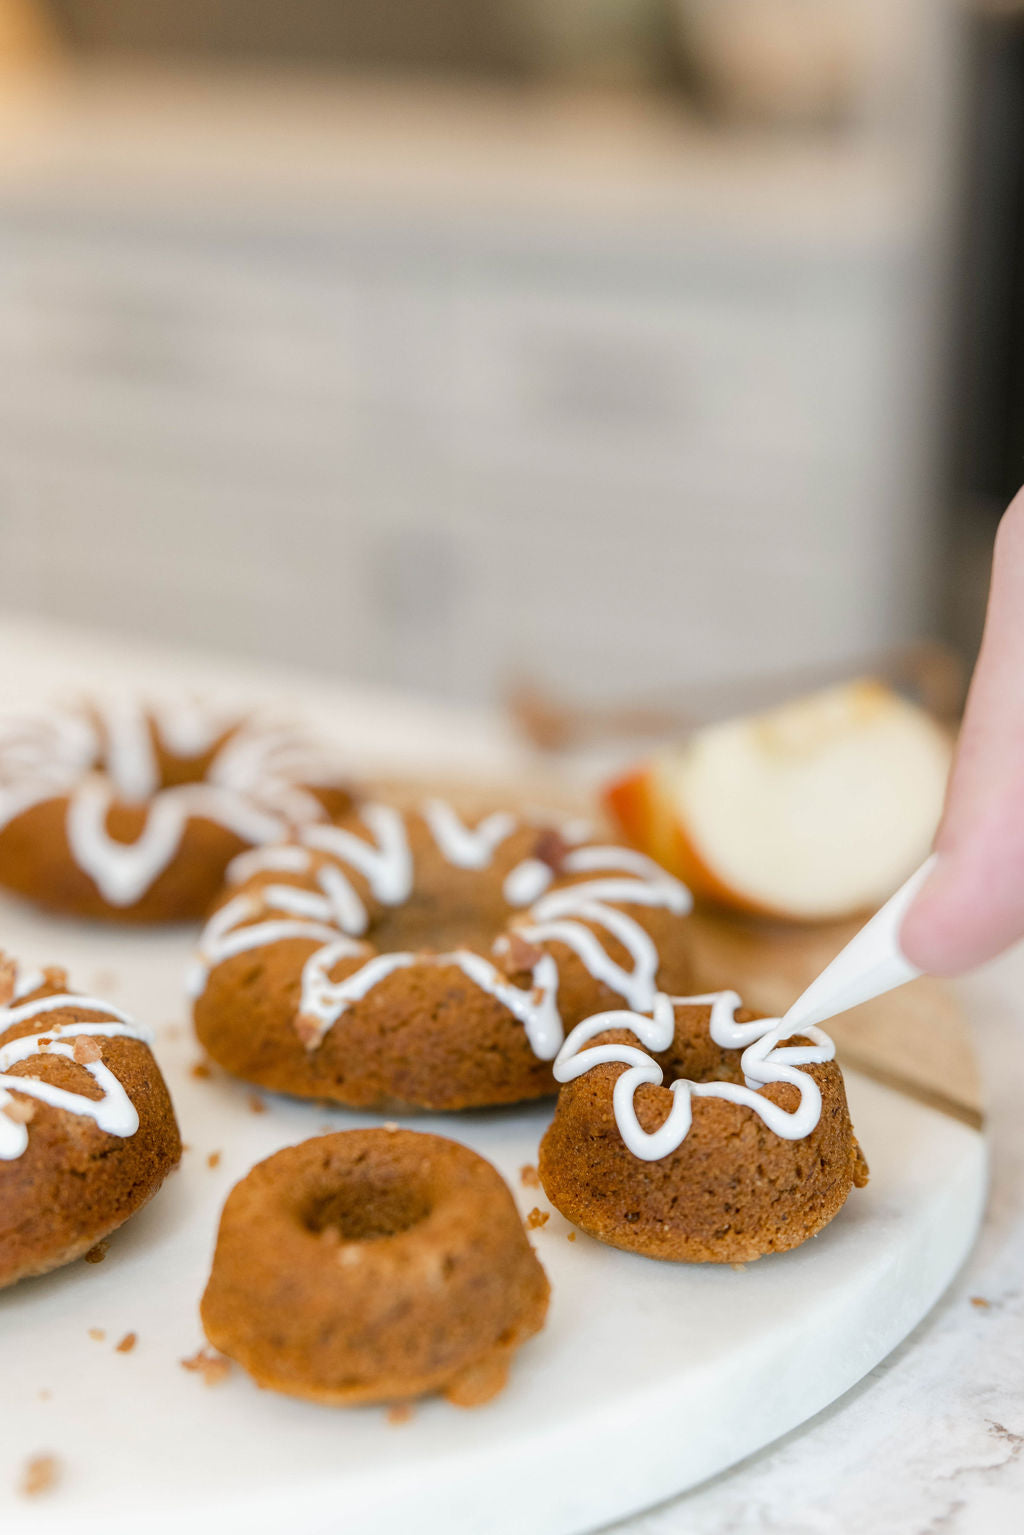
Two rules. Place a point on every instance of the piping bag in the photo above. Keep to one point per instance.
(871, 964)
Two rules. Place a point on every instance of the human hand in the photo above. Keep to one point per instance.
(972, 906)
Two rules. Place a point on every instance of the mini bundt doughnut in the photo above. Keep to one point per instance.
(87, 1130)
(701, 1134)
(405, 958)
(374, 1266)
(119, 810)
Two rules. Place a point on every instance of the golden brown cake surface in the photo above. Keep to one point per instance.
(374, 1266)
(73, 1080)
(404, 958)
(729, 1188)
(124, 811)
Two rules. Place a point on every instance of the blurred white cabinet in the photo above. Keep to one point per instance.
(437, 421)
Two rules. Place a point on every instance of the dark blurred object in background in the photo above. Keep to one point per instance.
(986, 373)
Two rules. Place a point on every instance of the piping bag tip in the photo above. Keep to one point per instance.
(871, 964)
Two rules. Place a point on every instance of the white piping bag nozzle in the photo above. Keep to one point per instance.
(871, 964)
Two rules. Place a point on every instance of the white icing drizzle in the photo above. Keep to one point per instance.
(252, 787)
(765, 1059)
(467, 847)
(131, 760)
(527, 881)
(114, 1112)
(335, 909)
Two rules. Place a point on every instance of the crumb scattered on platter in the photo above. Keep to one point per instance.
(212, 1367)
(537, 1218)
(571, 1237)
(980, 1301)
(213, 1160)
(529, 1177)
(127, 1343)
(98, 1253)
(97, 1334)
(256, 1104)
(400, 1412)
(40, 1474)
(200, 1070)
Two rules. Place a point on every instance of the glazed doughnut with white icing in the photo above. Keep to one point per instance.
(410, 958)
(87, 1129)
(121, 810)
(699, 1132)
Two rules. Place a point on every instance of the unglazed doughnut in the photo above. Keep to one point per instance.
(373, 1266)
(407, 958)
(87, 1130)
(122, 810)
(699, 1132)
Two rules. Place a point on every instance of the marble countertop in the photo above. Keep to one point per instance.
(933, 1439)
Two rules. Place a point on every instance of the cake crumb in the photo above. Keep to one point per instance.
(44, 1393)
(309, 1029)
(40, 1475)
(200, 1070)
(213, 1160)
(171, 1031)
(391, 1126)
(21, 1110)
(551, 848)
(738, 1268)
(98, 1253)
(571, 1237)
(980, 1302)
(400, 1412)
(97, 1334)
(522, 956)
(212, 1367)
(537, 1218)
(86, 1050)
(529, 1177)
(127, 1343)
(256, 1104)
(55, 978)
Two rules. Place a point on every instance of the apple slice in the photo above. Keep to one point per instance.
(813, 811)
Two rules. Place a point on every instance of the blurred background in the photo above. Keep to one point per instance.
(605, 355)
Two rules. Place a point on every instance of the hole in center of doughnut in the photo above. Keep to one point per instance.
(366, 1209)
(465, 916)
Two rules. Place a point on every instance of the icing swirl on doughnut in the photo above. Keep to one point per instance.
(113, 1112)
(107, 754)
(333, 915)
(766, 1058)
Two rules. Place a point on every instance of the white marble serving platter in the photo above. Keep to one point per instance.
(648, 1377)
